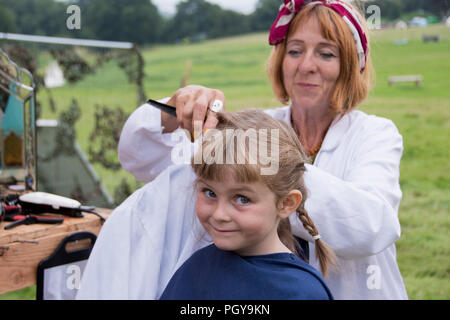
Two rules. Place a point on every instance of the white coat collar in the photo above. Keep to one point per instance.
(335, 133)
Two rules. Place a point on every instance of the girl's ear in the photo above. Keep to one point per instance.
(289, 203)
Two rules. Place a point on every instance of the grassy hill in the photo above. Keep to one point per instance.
(237, 67)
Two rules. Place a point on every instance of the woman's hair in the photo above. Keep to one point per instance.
(352, 86)
(290, 162)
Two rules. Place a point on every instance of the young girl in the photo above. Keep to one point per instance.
(246, 213)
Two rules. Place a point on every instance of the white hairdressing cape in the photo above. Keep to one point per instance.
(354, 196)
(145, 240)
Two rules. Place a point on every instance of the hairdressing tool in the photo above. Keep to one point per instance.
(163, 107)
(32, 219)
(42, 202)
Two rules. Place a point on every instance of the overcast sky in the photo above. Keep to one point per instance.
(244, 6)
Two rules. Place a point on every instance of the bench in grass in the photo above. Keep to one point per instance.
(396, 79)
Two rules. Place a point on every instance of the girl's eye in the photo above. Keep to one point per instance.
(242, 200)
(209, 193)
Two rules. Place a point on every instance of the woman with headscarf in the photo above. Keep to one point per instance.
(320, 67)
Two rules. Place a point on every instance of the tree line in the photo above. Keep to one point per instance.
(140, 21)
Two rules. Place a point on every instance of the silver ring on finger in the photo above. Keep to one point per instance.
(216, 106)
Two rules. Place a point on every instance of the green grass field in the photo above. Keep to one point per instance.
(237, 67)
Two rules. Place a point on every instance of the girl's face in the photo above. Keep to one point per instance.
(311, 66)
(239, 217)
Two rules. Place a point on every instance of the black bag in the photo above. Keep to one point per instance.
(59, 276)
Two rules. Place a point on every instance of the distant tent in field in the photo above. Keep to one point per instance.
(418, 22)
(54, 76)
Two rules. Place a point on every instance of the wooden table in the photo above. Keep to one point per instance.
(25, 246)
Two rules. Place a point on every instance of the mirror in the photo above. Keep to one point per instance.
(17, 127)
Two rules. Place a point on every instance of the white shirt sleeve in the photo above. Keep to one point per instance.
(144, 150)
(357, 213)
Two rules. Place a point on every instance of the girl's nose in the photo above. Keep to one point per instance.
(220, 213)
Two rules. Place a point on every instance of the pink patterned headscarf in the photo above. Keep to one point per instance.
(290, 8)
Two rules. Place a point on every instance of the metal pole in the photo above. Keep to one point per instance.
(67, 41)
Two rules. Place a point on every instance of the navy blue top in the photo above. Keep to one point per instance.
(214, 274)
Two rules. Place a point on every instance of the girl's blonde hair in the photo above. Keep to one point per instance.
(291, 161)
(352, 86)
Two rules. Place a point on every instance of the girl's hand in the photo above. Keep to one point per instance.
(192, 103)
